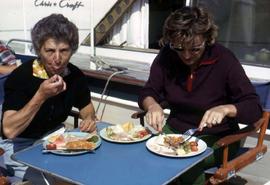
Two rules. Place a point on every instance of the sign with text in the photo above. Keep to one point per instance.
(69, 4)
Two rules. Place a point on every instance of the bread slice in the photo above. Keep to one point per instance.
(128, 126)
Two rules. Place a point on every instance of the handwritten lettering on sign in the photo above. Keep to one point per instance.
(72, 4)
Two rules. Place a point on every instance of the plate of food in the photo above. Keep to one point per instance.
(125, 133)
(71, 143)
(173, 145)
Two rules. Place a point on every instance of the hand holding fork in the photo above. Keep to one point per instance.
(190, 132)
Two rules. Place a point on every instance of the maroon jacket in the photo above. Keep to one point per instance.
(219, 79)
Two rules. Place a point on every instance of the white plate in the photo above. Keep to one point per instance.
(154, 146)
(103, 135)
(76, 134)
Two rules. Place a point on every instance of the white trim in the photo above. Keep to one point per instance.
(137, 56)
(188, 2)
(92, 36)
(115, 100)
(243, 126)
(257, 72)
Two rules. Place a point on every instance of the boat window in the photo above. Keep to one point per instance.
(158, 11)
(138, 28)
(244, 27)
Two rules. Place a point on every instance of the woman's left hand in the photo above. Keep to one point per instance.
(215, 115)
(88, 125)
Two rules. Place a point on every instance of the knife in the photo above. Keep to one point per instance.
(67, 150)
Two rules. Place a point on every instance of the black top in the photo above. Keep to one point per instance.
(21, 86)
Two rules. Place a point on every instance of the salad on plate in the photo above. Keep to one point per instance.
(126, 133)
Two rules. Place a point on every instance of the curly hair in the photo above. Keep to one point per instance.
(55, 26)
(187, 22)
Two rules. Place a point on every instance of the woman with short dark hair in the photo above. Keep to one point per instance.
(40, 94)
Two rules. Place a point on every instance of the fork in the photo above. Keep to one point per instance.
(189, 133)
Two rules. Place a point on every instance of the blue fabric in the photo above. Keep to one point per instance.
(263, 90)
(2, 81)
(23, 58)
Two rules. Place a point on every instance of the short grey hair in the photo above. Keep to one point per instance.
(57, 27)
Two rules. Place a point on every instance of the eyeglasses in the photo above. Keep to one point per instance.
(193, 50)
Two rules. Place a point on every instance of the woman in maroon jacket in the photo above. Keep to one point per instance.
(203, 82)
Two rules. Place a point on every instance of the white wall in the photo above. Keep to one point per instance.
(20, 15)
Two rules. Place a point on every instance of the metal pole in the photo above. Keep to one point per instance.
(92, 34)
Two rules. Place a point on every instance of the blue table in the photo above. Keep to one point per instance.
(112, 163)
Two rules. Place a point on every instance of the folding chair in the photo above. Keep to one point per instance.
(246, 156)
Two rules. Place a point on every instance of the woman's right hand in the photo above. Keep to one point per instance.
(155, 116)
(52, 86)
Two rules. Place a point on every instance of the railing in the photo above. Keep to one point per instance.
(25, 47)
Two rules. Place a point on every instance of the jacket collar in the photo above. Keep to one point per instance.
(210, 55)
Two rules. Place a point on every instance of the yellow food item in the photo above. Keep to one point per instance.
(56, 138)
(128, 126)
(52, 138)
(39, 70)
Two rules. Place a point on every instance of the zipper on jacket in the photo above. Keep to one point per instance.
(189, 82)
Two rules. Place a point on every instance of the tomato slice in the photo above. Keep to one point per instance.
(193, 148)
(51, 146)
(193, 143)
(142, 133)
